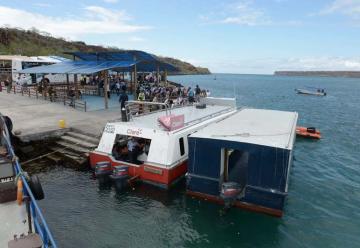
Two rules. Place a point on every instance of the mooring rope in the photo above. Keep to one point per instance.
(47, 154)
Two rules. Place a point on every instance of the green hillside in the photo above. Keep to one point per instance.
(36, 43)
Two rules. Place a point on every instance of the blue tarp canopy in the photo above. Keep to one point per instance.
(90, 63)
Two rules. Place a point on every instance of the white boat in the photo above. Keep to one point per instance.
(311, 91)
(164, 161)
(22, 222)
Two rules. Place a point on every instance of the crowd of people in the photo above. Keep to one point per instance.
(153, 92)
(134, 151)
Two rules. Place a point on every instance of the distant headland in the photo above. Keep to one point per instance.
(351, 74)
(36, 43)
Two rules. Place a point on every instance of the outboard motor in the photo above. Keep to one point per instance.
(229, 193)
(311, 129)
(120, 177)
(103, 171)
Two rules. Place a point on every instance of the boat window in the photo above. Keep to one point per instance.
(182, 147)
(131, 149)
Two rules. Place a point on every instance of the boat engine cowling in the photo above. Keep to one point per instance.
(229, 193)
(311, 129)
(103, 171)
(120, 176)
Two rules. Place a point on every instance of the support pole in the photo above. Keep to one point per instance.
(165, 77)
(67, 84)
(106, 83)
(135, 76)
(76, 86)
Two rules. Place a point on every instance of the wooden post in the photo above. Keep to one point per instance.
(76, 86)
(165, 78)
(67, 83)
(106, 83)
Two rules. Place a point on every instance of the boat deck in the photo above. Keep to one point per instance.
(13, 221)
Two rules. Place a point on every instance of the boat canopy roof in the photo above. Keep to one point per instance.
(89, 63)
(192, 115)
(254, 126)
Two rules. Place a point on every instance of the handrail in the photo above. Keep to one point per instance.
(129, 105)
(39, 221)
(32, 91)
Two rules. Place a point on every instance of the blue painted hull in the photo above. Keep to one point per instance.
(266, 173)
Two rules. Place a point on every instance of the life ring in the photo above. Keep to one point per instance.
(19, 195)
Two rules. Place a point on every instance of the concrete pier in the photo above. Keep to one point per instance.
(38, 119)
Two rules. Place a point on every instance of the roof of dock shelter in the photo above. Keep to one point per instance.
(88, 63)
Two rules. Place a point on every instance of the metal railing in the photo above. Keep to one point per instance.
(39, 222)
(139, 108)
(57, 96)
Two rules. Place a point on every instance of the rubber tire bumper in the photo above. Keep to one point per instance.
(36, 187)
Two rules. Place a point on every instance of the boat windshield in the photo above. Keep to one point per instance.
(131, 149)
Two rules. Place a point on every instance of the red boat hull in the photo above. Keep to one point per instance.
(162, 177)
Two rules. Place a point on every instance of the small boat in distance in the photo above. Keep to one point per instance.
(311, 91)
(308, 132)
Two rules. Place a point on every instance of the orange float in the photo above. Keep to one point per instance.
(19, 196)
(308, 132)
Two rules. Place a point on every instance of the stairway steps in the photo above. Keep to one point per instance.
(84, 137)
(79, 142)
(72, 147)
(69, 155)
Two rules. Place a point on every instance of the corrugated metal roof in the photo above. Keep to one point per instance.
(94, 62)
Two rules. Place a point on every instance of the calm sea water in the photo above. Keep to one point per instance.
(322, 208)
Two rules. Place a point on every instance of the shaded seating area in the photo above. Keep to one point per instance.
(103, 66)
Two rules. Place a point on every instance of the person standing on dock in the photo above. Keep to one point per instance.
(197, 93)
(108, 90)
(8, 85)
(191, 95)
(123, 99)
(117, 86)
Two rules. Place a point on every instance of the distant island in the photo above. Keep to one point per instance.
(351, 74)
(36, 43)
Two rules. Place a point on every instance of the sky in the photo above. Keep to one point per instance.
(230, 36)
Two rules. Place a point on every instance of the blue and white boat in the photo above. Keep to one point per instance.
(307, 90)
(22, 222)
(244, 160)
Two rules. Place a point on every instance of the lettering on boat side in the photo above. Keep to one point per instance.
(6, 180)
(136, 132)
(153, 170)
(109, 129)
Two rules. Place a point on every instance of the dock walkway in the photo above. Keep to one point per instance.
(36, 119)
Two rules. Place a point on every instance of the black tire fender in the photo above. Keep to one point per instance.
(36, 187)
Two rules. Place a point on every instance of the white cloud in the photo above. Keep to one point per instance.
(42, 5)
(110, 1)
(241, 12)
(136, 39)
(349, 8)
(245, 13)
(92, 20)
